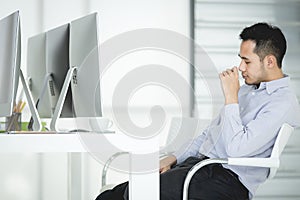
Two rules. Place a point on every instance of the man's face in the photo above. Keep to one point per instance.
(252, 69)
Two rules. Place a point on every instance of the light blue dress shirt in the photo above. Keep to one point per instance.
(247, 129)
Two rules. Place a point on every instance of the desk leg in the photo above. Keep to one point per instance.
(144, 184)
(74, 176)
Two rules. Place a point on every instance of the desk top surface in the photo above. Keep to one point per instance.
(73, 142)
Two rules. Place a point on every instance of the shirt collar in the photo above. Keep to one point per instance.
(272, 86)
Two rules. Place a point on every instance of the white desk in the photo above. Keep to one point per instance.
(141, 183)
(36, 143)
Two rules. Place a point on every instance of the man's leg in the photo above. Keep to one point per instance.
(121, 191)
(216, 182)
(209, 183)
(117, 193)
(171, 182)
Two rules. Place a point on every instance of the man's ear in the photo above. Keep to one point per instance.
(270, 61)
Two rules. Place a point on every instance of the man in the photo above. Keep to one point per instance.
(247, 125)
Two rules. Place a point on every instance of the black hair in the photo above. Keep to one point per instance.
(269, 40)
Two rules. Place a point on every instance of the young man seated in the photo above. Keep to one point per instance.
(246, 126)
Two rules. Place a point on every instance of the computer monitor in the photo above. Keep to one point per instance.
(57, 65)
(37, 75)
(84, 56)
(9, 62)
(84, 72)
(47, 66)
(10, 72)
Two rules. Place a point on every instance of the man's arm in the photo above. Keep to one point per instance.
(231, 86)
(255, 136)
(189, 149)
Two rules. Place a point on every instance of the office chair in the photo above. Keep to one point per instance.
(271, 162)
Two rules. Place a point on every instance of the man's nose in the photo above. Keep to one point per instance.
(242, 66)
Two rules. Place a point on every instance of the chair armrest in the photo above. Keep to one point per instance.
(254, 162)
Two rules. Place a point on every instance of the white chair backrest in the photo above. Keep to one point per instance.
(281, 141)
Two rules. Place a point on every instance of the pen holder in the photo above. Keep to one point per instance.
(13, 122)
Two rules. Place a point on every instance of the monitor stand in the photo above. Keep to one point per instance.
(37, 125)
(48, 79)
(61, 99)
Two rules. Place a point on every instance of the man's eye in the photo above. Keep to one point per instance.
(247, 63)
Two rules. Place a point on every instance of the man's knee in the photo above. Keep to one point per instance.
(120, 192)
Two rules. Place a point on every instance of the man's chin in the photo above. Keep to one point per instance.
(249, 82)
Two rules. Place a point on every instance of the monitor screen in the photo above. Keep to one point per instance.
(57, 64)
(9, 62)
(84, 55)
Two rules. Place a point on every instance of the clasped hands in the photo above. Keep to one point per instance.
(230, 85)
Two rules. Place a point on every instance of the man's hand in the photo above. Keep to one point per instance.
(166, 163)
(230, 84)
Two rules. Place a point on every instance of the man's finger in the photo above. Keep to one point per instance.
(235, 69)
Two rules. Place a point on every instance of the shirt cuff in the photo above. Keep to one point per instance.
(179, 154)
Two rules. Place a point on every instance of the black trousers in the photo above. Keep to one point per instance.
(212, 182)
